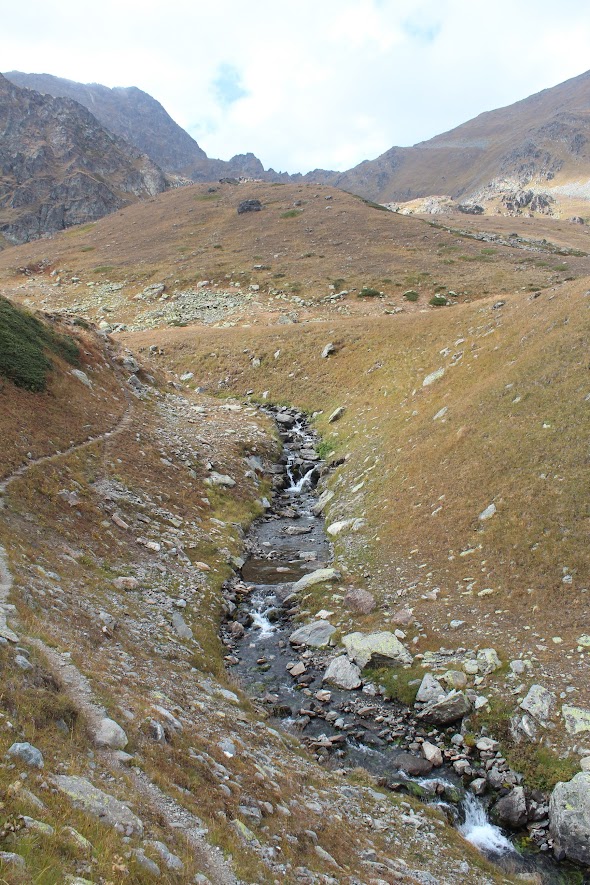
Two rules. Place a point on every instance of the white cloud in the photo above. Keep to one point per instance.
(305, 84)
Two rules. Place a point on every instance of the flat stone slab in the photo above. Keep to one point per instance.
(85, 796)
(576, 719)
(318, 577)
(317, 634)
(379, 649)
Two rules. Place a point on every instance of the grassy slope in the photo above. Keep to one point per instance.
(188, 235)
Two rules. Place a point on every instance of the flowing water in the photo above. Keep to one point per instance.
(287, 544)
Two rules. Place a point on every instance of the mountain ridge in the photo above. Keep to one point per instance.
(60, 167)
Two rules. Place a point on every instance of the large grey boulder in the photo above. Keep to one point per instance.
(85, 796)
(319, 576)
(317, 634)
(454, 706)
(343, 673)
(378, 649)
(569, 817)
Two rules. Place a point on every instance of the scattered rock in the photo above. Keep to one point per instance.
(328, 349)
(249, 206)
(336, 414)
(434, 376)
(511, 810)
(432, 754)
(539, 703)
(172, 861)
(220, 479)
(414, 766)
(489, 511)
(576, 719)
(322, 501)
(27, 753)
(319, 576)
(451, 708)
(359, 600)
(430, 691)
(182, 628)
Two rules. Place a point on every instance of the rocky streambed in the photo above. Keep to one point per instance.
(290, 665)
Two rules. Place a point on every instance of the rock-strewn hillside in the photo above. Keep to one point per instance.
(59, 166)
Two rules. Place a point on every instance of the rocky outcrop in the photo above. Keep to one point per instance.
(60, 167)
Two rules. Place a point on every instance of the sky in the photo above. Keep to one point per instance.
(307, 84)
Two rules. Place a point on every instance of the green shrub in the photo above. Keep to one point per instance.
(24, 342)
(291, 213)
(438, 301)
(369, 292)
(411, 295)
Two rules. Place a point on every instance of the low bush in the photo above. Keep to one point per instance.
(411, 295)
(369, 292)
(438, 301)
(24, 345)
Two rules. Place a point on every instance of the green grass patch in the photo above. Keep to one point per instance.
(400, 684)
(369, 292)
(291, 213)
(103, 268)
(24, 342)
(540, 766)
(87, 248)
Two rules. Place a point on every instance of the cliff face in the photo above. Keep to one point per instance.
(59, 166)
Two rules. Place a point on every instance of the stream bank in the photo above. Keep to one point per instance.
(283, 668)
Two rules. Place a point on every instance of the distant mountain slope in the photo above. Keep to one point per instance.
(543, 140)
(129, 113)
(141, 120)
(59, 166)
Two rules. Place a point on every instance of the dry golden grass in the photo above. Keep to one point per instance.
(188, 235)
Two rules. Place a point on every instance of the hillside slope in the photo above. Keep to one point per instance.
(60, 167)
(113, 557)
(541, 141)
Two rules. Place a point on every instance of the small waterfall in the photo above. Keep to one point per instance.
(478, 830)
(261, 605)
(297, 487)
